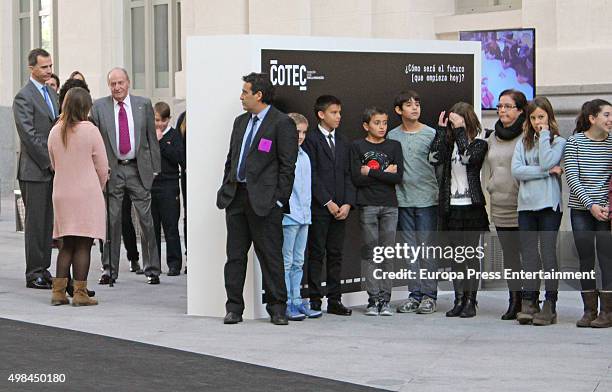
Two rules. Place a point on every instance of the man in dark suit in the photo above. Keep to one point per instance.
(333, 194)
(257, 184)
(35, 110)
(127, 125)
(181, 127)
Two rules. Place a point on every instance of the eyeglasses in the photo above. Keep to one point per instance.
(506, 106)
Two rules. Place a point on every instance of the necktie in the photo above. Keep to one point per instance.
(124, 131)
(332, 146)
(245, 152)
(48, 100)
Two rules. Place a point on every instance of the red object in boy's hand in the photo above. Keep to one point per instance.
(374, 165)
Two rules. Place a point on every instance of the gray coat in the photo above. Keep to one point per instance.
(34, 122)
(147, 147)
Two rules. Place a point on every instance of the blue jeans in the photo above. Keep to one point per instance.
(294, 245)
(378, 227)
(591, 235)
(540, 227)
(418, 226)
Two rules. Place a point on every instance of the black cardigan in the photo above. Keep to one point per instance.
(472, 156)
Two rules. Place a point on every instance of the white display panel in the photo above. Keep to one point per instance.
(215, 66)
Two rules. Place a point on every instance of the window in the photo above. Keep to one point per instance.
(45, 26)
(153, 50)
(35, 35)
(177, 48)
(138, 47)
(160, 24)
(24, 47)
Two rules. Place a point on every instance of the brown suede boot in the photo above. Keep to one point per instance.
(548, 314)
(80, 294)
(529, 308)
(58, 292)
(604, 320)
(589, 299)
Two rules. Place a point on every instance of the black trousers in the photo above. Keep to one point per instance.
(509, 238)
(325, 239)
(244, 228)
(166, 210)
(184, 194)
(127, 229)
(38, 228)
(592, 237)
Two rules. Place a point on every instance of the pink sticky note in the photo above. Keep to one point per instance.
(264, 145)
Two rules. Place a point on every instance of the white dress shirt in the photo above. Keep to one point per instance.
(39, 87)
(326, 133)
(128, 109)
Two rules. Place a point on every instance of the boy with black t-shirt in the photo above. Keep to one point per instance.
(376, 167)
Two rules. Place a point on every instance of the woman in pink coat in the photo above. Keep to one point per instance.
(78, 157)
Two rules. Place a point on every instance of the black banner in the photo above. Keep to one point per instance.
(359, 80)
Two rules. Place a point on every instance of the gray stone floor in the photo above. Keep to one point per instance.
(399, 353)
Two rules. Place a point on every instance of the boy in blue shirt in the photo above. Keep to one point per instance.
(295, 229)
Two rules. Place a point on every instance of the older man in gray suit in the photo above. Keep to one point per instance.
(35, 110)
(127, 124)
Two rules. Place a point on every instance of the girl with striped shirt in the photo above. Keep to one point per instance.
(588, 167)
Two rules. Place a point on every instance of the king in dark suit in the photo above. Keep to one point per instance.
(35, 110)
(257, 184)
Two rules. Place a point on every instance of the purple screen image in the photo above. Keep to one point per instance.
(508, 62)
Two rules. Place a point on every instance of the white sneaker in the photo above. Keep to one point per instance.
(384, 309)
(372, 310)
(409, 306)
(427, 306)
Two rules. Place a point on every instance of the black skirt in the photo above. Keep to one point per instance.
(468, 218)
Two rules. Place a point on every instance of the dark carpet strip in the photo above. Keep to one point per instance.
(99, 363)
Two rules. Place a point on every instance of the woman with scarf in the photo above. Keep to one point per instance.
(503, 188)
